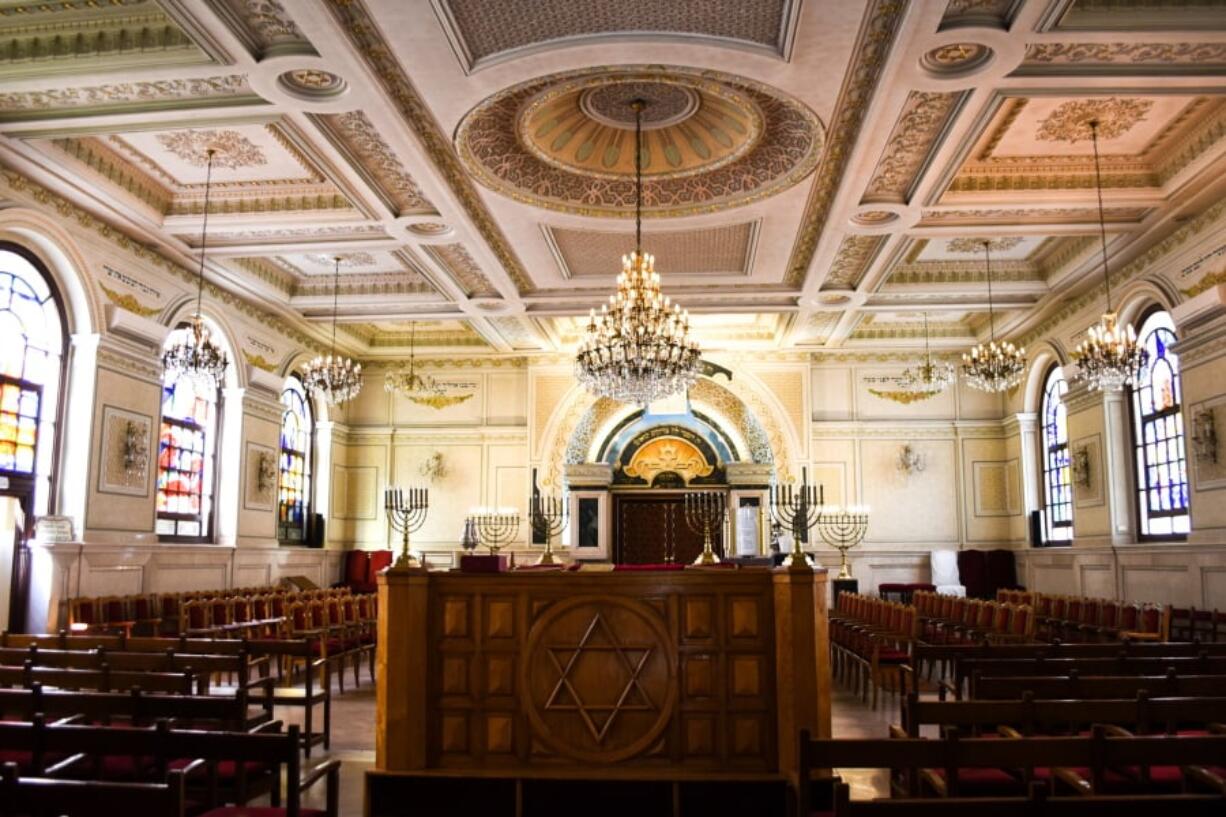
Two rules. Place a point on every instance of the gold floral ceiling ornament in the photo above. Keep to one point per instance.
(1114, 116)
(973, 245)
(1110, 357)
(223, 148)
(421, 388)
(711, 141)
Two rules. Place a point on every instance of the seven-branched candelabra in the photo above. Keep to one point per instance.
(547, 514)
(705, 512)
(406, 512)
(496, 527)
(797, 508)
(843, 529)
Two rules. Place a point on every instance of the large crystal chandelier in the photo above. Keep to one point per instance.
(1110, 357)
(332, 377)
(996, 367)
(638, 349)
(421, 388)
(197, 356)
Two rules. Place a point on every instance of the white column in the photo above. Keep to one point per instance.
(77, 423)
(229, 460)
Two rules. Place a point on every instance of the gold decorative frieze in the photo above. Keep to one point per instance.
(230, 89)
(231, 149)
(1071, 121)
(383, 169)
(851, 261)
(1120, 55)
(128, 301)
(463, 269)
(923, 119)
(259, 361)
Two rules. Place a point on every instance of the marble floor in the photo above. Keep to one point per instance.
(353, 742)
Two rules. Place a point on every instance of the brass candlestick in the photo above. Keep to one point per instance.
(797, 508)
(843, 529)
(546, 515)
(406, 513)
(496, 528)
(705, 512)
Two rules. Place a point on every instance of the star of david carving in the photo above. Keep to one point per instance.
(632, 658)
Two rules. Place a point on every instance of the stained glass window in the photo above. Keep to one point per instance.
(1057, 486)
(294, 492)
(1161, 462)
(185, 454)
(31, 343)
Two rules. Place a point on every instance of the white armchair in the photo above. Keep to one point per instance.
(944, 564)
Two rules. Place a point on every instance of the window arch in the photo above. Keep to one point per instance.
(1157, 423)
(187, 449)
(294, 483)
(31, 371)
(1057, 484)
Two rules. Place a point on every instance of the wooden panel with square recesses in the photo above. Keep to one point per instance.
(694, 655)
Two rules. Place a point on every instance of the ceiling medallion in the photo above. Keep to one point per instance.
(921, 382)
(638, 349)
(711, 141)
(333, 378)
(219, 148)
(421, 388)
(970, 245)
(1071, 121)
(1110, 357)
(996, 367)
(311, 83)
(955, 58)
(197, 356)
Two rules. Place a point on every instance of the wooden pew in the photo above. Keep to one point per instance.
(101, 680)
(1032, 716)
(1075, 685)
(222, 712)
(79, 798)
(970, 669)
(204, 667)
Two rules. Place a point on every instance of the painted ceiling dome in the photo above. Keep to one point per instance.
(711, 141)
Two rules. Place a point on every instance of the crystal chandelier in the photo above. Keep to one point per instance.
(1109, 358)
(421, 388)
(929, 378)
(197, 356)
(333, 378)
(996, 367)
(638, 349)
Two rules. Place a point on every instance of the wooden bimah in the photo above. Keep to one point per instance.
(680, 691)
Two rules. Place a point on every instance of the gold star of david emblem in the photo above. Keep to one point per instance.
(598, 639)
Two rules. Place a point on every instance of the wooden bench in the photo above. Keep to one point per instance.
(137, 707)
(204, 667)
(970, 670)
(102, 680)
(1074, 685)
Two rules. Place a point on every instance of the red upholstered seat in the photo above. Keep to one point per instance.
(892, 656)
(226, 769)
(258, 811)
(984, 782)
(125, 767)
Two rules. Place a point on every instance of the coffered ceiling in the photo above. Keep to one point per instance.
(819, 174)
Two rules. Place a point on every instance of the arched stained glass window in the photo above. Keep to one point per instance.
(1157, 417)
(32, 331)
(186, 454)
(294, 486)
(1057, 485)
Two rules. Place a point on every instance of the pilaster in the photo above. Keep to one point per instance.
(1201, 326)
(1098, 421)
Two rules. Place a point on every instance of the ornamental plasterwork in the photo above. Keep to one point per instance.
(1046, 215)
(348, 260)
(491, 143)
(872, 49)
(115, 95)
(923, 119)
(267, 28)
(232, 149)
(1124, 53)
(384, 170)
(975, 245)
(393, 283)
(258, 361)
(895, 330)
(853, 258)
(128, 301)
(964, 272)
(1071, 121)
(980, 11)
(365, 37)
(463, 269)
(516, 332)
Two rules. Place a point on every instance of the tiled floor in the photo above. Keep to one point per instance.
(353, 741)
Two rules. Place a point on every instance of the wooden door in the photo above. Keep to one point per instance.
(651, 529)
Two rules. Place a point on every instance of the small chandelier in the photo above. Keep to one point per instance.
(638, 349)
(929, 378)
(996, 367)
(420, 388)
(333, 378)
(197, 356)
(1109, 358)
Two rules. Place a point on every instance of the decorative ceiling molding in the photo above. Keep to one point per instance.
(1121, 58)
(925, 115)
(985, 13)
(1007, 216)
(872, 49)
(852, 260)
(720, 251)
(265, 28)
(363, 33)
(482, 33)
(463, 269)
(127, 97)
(761, 143)
(354, 134)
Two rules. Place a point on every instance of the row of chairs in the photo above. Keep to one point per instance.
(951, 619)
(870, 639)
(1079, 618)
(1191, 624)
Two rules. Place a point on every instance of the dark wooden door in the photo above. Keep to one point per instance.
(651, 529)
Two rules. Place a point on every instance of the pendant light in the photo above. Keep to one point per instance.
(996, 367)
(334, 378)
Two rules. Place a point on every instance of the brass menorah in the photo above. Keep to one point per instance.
(406, 513)
(843, 529)
(705, 512)
(496, 528)
(797, 509)
(547, 516)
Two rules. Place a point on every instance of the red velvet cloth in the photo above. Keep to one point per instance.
(380, 560)
(357, 566)
(643, 568)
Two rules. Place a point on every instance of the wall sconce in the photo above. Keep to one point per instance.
(135, 450)
(1204, 436)
(434, 469)
(266, 479)
(1081, 466)
(910, 461)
